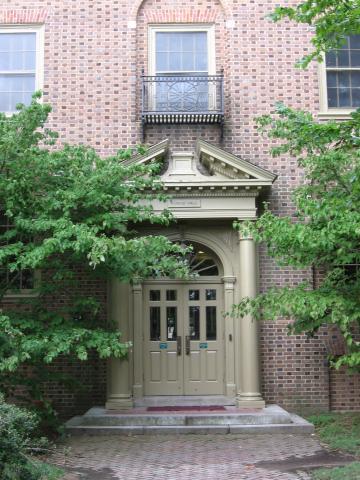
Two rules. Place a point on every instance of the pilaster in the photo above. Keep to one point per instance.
(118, 385)
(229, 283)
(137, 296)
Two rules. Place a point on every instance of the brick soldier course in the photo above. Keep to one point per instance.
(94, 56)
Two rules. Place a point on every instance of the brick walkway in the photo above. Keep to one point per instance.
(185, 457)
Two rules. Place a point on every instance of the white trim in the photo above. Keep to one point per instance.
(183, 27)
(39, 30)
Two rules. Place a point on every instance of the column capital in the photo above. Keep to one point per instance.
(245, 236)
(228, 282)
(137, 287)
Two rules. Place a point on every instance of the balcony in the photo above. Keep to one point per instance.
(182, 99)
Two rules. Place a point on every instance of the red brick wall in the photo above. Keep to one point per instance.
(94, 54)
(344, 390)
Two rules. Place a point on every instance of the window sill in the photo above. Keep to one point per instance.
(335, 115)
(13, 296)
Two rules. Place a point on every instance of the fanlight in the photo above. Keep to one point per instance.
(202, 263)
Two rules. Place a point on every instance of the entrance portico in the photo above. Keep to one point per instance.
(183, 341)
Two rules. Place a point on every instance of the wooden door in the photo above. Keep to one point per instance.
(183, 339)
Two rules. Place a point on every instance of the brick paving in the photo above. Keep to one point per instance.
(185, 457)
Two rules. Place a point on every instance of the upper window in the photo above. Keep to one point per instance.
(342, 76)
(181, 49)
(181, 52)
(20, 66)
(181, 60)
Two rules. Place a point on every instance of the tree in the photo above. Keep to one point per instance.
(325, 230)
(65, 208)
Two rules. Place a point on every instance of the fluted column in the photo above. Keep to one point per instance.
(118, 385)
(249, 382)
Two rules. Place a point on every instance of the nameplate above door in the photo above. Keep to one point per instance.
(185, 203)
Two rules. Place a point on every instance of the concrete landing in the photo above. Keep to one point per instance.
(138, 421)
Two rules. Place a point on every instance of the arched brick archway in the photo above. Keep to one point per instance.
(180, 12)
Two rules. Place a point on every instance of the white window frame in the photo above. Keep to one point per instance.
(184, 27)
(325, 111)
(39, 58)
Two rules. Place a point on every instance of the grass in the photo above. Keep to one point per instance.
(350, 472)
(47, 471)
(339, 431)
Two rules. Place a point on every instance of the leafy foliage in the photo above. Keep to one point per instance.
(332, 21)
(70, 210)
(325, 232)
(17, 443)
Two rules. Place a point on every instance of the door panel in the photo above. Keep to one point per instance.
(183, 339)
(163, 367)
(203, 364)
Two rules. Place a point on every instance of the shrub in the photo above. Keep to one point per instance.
(17, 442)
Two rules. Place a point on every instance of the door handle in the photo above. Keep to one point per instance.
(187, 344)
(178, 345)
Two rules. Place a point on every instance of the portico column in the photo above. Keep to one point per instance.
(118, 385)
(249, 382)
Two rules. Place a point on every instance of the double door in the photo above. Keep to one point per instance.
(183, 339)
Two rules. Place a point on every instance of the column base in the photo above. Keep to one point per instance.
(250, 401)
(119, 402)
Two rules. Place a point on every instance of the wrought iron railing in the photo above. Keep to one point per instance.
(182, 99)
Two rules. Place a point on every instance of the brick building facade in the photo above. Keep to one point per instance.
(94, 56)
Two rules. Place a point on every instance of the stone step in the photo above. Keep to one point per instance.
(295, 428)
(181, 400)
(271, 419)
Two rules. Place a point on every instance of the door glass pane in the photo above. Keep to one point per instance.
(171, 295)
(194, 294)
(154, 295)
(210, 323)
(155, 323)
(194, 323)
(210, 294)
(171, 322)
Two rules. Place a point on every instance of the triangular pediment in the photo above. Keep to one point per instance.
(207, 167)
(222, 163)
(159, 150)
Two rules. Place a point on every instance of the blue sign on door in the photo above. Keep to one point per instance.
(203, 345)
(163, 346)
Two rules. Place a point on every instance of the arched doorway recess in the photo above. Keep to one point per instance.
(183, 327)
